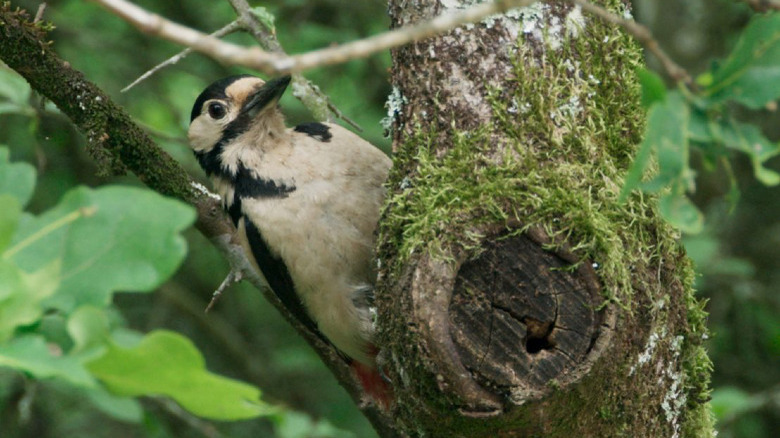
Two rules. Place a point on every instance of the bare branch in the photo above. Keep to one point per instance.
(275, 64)
(234, 276)
(642, 34)
(280, 63)
(226, 30)
(398, 37)
(337, 112)
(222, 51)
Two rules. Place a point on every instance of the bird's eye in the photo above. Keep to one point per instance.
(216, 110)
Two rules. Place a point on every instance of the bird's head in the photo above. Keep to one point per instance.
(232, 112)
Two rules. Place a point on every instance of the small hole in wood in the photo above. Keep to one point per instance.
(539, 335)
(534, 345)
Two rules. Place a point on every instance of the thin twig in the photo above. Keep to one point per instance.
(226, 30)
(642, 34)
(159, 134)
(234, 276)
(39, 13)
(221, 51)
(312, 97)
(278, 63)
(337, 112)
(398, 37)
(275, 64)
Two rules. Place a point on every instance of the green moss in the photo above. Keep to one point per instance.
(449, 192)
(697, 366)
(571, 130)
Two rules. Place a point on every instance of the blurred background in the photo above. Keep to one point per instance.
(738, 256)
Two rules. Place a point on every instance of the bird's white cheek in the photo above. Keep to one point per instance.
(203, 136)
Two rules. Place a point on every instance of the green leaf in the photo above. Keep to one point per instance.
(700, 136)
(31, 355)
(121, 408)
(168, 364)
(112, 238)
(702, 249)
(22, 295)
(653, 88)
(748, 138)
(699, 126)
(730, 401)
(666, 135)
(751, 73)
(12, 108)
(88, 328)
(766, 176)
(17, 179)
(705, 79)
(679, 211)
(10, 212)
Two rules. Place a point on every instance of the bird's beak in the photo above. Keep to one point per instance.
(269, 93)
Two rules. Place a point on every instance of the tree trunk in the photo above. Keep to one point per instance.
(517, 295)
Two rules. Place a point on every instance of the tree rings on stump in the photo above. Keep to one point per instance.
(524, 319)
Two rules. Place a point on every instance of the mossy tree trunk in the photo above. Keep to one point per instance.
(517, 295)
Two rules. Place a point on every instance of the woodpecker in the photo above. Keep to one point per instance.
(305, 202)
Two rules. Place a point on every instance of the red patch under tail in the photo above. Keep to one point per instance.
(374, 384)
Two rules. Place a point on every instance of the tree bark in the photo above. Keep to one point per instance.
(518, 296)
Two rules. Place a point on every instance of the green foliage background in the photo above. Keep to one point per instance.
(738, 254)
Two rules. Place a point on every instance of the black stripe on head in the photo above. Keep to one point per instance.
(278, 277)
(315, 130)
(214, 91)
(248, 185)
(211, 161)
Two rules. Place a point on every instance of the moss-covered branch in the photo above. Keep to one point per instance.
(114, 140)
